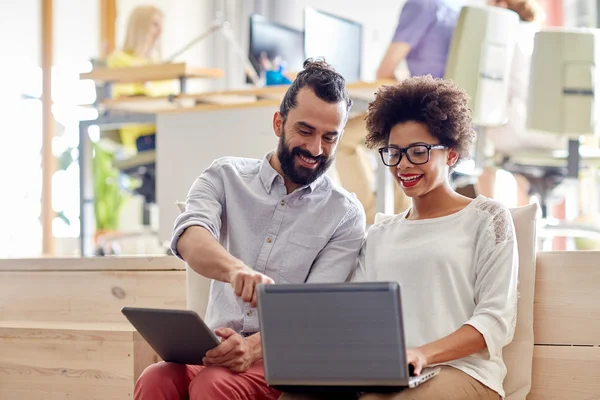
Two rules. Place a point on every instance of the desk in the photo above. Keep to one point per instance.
(361, 93)
(192, 131)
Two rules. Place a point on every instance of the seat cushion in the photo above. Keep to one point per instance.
(518, 355)
(198, 289)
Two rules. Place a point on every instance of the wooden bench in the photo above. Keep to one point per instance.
(62, 334)
(74, 353)
(88, 289)
(566, 363)
(58, 360)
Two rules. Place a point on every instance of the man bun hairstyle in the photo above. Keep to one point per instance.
(326, 83)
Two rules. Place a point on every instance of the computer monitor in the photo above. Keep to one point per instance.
(337, 40)
(275, 42)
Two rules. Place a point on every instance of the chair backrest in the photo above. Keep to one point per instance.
(563, 83)
(198, 288)
(480, 58)
(518, 355)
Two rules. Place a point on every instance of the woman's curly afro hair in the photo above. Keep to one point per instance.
(437, 103)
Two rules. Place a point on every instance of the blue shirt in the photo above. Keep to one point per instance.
(313, 234)
(427, 26)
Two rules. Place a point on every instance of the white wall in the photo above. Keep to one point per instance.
(20, 138)
(20, 30)
(76, 31)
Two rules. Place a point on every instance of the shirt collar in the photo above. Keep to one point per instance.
(268, 175)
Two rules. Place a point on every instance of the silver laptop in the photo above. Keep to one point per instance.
(346, 336)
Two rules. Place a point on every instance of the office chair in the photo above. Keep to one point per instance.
(479, 61)
(561, 106)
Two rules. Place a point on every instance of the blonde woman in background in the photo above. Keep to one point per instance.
(514, 136)
(141, 47)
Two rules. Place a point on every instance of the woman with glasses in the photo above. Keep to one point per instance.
(454, 257)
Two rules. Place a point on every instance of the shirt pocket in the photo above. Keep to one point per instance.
(302, 251)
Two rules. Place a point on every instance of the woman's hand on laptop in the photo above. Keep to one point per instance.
(234, 352)
(244, 281)
(418, 360)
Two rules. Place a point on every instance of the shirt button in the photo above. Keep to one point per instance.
(282, 202)
(249, 313)
(269, 240)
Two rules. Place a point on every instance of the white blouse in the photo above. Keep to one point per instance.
(453, 270)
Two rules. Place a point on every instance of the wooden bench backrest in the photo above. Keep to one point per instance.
(89, 290)
(566, 362)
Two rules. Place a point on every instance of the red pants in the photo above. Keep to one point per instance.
(167, 381)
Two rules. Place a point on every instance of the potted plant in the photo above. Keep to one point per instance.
(108, 194)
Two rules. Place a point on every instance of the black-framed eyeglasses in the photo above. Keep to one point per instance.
(417, 154)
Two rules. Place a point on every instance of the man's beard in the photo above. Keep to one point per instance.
(296, 173)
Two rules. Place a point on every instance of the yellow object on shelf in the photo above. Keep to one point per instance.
(121, 59)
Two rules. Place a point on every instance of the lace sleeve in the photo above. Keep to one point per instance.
(500, 228)
(496, 277)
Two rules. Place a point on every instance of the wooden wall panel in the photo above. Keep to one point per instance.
(567, 298)
(565, 373)
(80, 296)
(83, 363)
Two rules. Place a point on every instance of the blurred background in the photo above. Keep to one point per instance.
(44, 100)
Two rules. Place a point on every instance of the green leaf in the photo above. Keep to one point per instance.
(108, 195)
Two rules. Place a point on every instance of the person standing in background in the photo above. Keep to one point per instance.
(422, 38)
(141, 47)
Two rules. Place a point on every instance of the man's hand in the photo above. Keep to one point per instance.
(418, 359)
(234, 352)
(244, 281)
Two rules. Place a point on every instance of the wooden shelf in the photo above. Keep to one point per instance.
(137, 160)
(157, 72)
